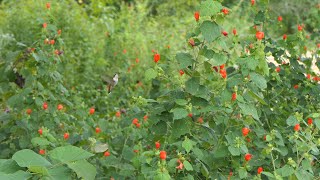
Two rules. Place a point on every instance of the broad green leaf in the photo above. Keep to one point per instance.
(249, 109)
(285, 171)
(69, 153)
(179, 113)
(303, 175)
(291, 121)
(39, 170)
(19, 175)
(184, 60)
(268, 174)
(210, 8)
(210, 30)
(242, 173)
(234, 150)
(217, 59)
(83, 169)
(8, 166)
(59, 173)
(162, 176)
(317, 122)
(204, 170)
(181, 102)
(179, 128)
(259, 80)
(257, 97)
(192, 85)
(187, 144)
(98, 148)
(150, 74)
(27, 158)
(188, 166)
(39, 141)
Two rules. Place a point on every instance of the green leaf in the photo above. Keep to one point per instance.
(188, 166)
(234, 150)
(40, 141)
(19, 175)
(39, 170)
(291, 121)
(259, 80)
(249, 109)
(317, 123)
(210, 8)
(69, 153)
(180, 127)
(187, 144)
(59, 173)
(210, 30)
(192, 85)
(184, 60)
(83, 169)
(27, 158)
(242, 173)
(217, 59)
(8, 166)
(268, 174)
(150, 74)
(162, 176)
(285, 171)
(181, 102)
(179, 113)
(257, 97)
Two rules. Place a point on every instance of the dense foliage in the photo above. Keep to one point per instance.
(198, 96)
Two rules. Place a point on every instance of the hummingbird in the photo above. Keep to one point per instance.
(111, 82)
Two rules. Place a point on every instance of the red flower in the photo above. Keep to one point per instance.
(40, 131)
(318, 45)
(66, 136)
(248, 157)
(60, 107)
(157, 145)
(245, 131)
(42, 151)
(200, 120)
(44, 25)
(118, 114)
(300, 28)
(137, 60)
(138, 125)
(260, 169)
(197, 15)
(106, 154)
(234, 31)
(59, 32)
(45, 105)
(190, 115)
(308, 76)
(278, 69)
(279, 18)
(156, 57)
(98, 130)
(225, 11)
(180, 166)
(135, 151)
(191, 42)
(310, 121)
(91, 111)
(52, 42)
(224, 33)
(297, 127)
(145, 118)
(163, 155)
(223, 73)
(234, 96)
(48, 5)
(135, 121)
(181, 72)
(296, 86)
(284, 37)
(252, 2)
(260, 35)
(29, 111)
(222, 66)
